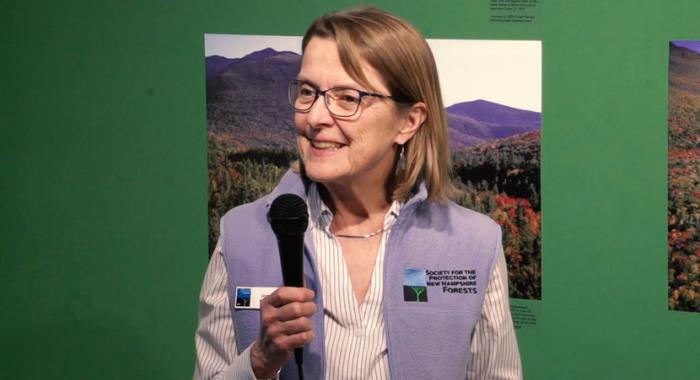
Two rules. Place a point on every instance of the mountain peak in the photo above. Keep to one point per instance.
(488, 112)
(260, 54)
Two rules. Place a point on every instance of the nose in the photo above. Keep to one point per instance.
(318, 115)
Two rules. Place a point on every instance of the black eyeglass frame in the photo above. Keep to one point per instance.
(362, 95)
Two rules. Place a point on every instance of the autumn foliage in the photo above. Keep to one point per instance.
(684, 180)
(684, 204)
(501, 179)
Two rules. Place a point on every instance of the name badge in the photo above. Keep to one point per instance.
(248, 297)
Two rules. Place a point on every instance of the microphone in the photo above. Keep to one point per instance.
(289, 218)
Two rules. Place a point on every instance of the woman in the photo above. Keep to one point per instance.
(400, 281)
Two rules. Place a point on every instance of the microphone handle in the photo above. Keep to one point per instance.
(299, 359)
(291, 248)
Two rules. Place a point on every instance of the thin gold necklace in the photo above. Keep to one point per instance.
(365, 236)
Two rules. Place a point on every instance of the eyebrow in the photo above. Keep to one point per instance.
(355, 86)
(305, 80)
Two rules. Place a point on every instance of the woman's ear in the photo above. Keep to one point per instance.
(413, 119)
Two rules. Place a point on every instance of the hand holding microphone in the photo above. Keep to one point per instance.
(286, 313)
(286, 324)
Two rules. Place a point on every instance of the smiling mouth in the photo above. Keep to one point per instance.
(325, 145)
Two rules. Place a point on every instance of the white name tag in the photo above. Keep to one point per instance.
(248, 297)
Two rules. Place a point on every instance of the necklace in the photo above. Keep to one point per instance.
(365, 236)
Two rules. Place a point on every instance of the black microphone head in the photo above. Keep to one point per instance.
(289, 215)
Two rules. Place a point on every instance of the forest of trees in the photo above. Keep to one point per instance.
(684, 202)
(500, 179)
(236, 178)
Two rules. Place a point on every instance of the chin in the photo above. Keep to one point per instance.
(323, 169)
(322, 173)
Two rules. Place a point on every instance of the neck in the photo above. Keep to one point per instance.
(356, 211)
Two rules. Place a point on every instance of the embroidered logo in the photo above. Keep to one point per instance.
(415, 286)
(453, 281)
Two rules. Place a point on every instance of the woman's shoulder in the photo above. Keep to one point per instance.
(470, 216)
(461, 218)
(248, 210)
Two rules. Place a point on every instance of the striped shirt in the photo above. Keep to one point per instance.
(355, 342)
(355, 338)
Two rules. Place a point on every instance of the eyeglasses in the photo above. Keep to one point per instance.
(340, 101)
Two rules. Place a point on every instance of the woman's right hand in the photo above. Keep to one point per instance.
(285, 317)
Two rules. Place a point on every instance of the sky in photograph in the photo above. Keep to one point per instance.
(692, 45)
(500, 71)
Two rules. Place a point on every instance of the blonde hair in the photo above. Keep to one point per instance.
(402, 57)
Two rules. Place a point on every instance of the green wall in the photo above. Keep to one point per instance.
(103, 196)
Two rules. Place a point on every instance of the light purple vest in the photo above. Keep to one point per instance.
(449, 252)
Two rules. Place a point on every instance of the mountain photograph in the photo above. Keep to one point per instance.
(684, 176)
(251, 140)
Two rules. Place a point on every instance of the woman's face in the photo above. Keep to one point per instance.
(346, 151)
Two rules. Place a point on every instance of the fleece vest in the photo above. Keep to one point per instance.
(438, 260)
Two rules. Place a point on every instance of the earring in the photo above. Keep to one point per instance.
(402, 157)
